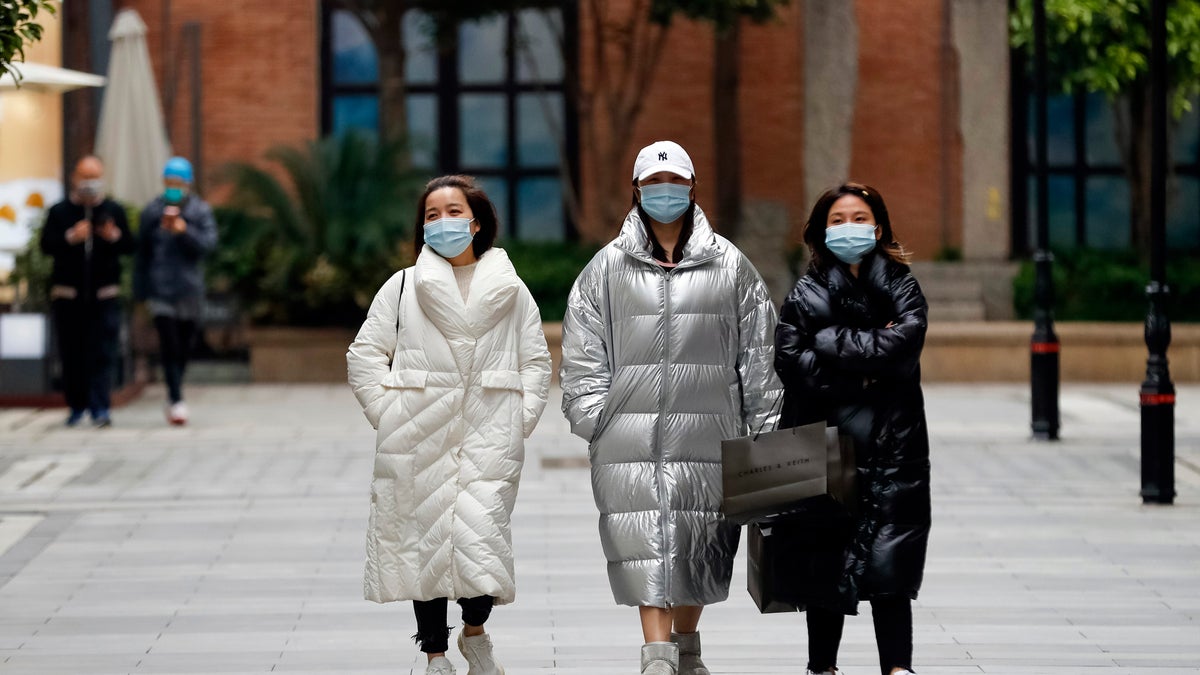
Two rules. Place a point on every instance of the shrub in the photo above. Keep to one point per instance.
(1093, 285)
(313, 252)
(549, 269)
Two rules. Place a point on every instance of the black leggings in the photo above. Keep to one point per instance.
(893, 634)
(174, 347)
(432, 632)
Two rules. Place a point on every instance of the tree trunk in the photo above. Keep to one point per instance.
(389, 41)
(727, 131)
(1139, 167)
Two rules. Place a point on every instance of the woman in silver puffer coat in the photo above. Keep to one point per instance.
(667, 350)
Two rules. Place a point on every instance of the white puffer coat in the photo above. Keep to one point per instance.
(453, 389)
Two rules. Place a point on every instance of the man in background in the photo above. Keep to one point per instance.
(86, 234)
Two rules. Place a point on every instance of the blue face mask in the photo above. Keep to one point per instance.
(850, 241)
(665, 202)
(449, 236)
(174, 195)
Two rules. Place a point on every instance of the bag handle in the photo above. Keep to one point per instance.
(777, 408)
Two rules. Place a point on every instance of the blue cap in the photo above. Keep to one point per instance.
(178, 167)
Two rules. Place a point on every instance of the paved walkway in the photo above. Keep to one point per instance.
(235, 546)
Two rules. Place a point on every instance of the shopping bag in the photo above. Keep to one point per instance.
(768, 473)
(796, 559)
(841, 469)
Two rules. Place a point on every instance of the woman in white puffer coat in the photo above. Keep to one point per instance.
(451, 368)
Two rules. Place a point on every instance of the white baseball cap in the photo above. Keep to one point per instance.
(662, 156)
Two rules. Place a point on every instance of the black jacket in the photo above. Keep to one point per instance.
(169, 266)
(841, 362)
(103, 267)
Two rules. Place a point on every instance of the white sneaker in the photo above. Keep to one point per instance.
(177, 414)
(478, 650)
(440, 666)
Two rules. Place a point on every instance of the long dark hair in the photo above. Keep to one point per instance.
(814, 230)
(477, 199)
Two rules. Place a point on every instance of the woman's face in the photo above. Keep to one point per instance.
(449, 202)
(851, 209)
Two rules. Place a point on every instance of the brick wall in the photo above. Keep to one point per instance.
(898, 122)
(678, 105)
(260, 74)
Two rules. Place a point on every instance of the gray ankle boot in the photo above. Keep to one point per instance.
(689, 654)
(660, 658)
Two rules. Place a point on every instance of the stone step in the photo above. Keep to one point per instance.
(956, 310)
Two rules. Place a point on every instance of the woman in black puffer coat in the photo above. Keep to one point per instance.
(848, 347)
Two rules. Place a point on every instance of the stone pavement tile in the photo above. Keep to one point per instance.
(125, 625)
(220, 642)
(43, 663)
(361, 660)
(90, 643)
(213, 623)
(205, 661)
(1018, 669)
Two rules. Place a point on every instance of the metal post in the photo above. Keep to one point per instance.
(1044, 346)
(1158, 392)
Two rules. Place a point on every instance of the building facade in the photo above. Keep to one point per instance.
(548, 107)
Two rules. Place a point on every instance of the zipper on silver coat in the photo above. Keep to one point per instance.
(664, 509)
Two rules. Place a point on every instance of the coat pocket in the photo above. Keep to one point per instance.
(504, 395)
(405, 379)
(502, 379)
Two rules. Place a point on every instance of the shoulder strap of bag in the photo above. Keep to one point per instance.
(403, 279)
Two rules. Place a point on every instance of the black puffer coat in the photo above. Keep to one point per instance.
(848, 351)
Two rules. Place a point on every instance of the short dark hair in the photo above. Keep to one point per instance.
(814, 230)
(477, 199)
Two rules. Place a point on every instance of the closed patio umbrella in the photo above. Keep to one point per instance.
(131, 139)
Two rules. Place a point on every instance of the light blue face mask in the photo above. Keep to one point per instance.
(449, 236)
(174, 195)
(665, 202)
(850, 241)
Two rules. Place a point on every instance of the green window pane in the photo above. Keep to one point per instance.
(483, 130)
(482, 48)
(1108, 211)
(539, 129)
(538, 54)
(540, 210)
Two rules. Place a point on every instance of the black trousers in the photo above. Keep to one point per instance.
(893, 634)
(432, 632)
(175, 338)
(87, 334)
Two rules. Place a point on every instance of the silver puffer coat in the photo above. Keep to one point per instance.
(659, 366)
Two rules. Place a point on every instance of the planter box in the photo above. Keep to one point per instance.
(287, 354)
(982, 351)
(1091, 352)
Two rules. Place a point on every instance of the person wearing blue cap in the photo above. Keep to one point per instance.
(177, 231)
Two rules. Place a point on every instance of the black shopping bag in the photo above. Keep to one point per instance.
(796, 560)
(768, 473)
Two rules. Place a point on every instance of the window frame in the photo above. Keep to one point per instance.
(448, 89)
(1024, 166)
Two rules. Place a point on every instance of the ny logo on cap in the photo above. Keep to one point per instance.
(662, 156)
